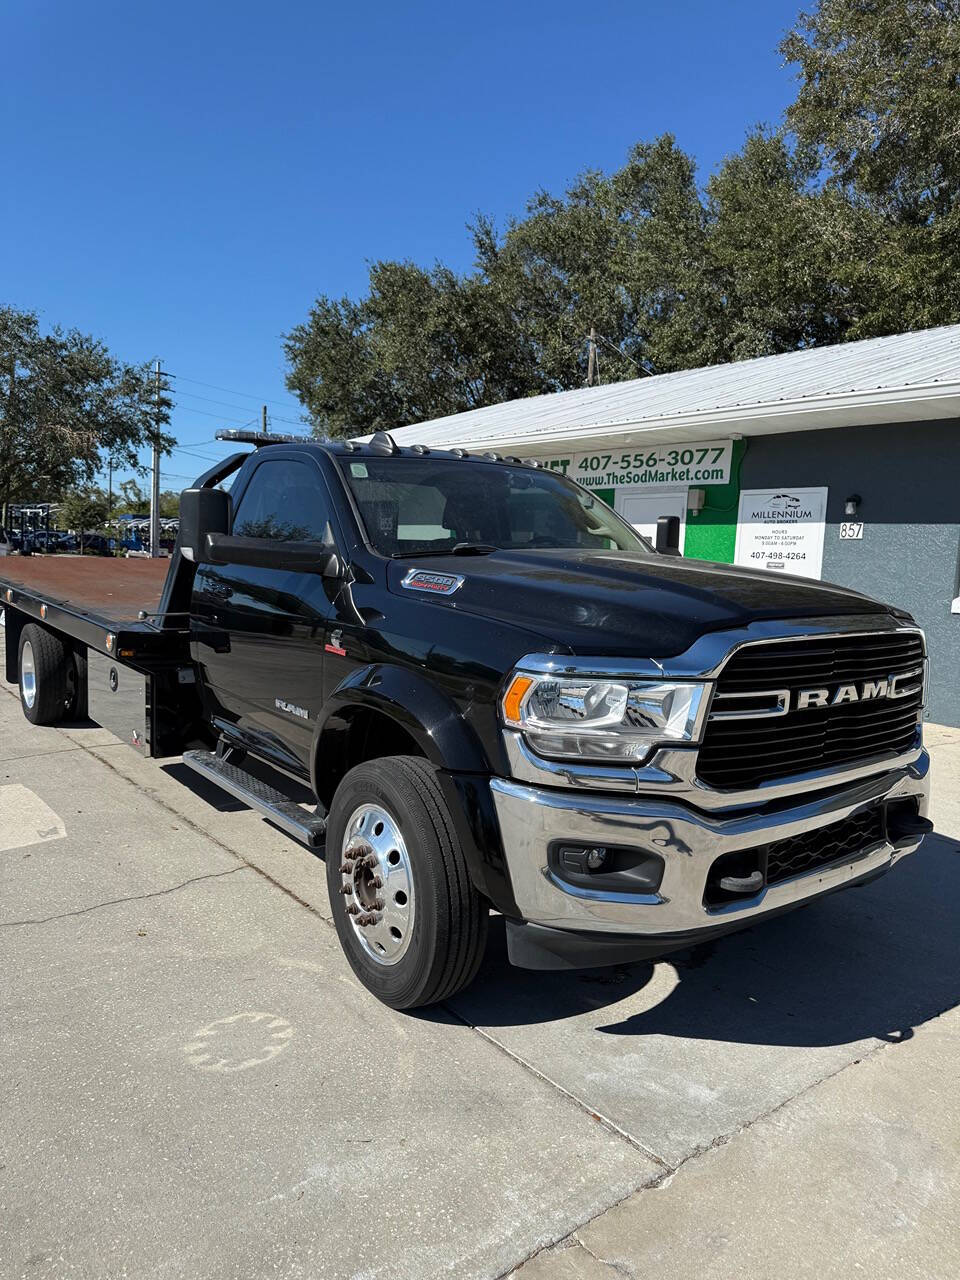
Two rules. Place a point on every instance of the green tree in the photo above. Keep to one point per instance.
(169, 504)
(842, 224)
(613, 255)
(878, 107)
(67, 404)
(83, 510)
(879, 98)
(786, 262)
(420, 344)
(133, 500)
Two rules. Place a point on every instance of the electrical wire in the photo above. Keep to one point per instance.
(244, 395)
(222, 417)
(210, 400)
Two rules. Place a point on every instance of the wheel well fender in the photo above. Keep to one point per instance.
(407, 709)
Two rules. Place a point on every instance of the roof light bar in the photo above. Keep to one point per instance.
(261, 437)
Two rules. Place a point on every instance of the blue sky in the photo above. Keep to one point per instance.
(182, 180)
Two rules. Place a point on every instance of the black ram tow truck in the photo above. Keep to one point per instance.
(499, 696)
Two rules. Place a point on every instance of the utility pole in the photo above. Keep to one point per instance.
(263, 419)
(155, 485)
(591, 356)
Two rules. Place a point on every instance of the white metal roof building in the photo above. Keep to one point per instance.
(838, 462)
(905, 377)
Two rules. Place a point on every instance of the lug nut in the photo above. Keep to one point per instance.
(346, 868)
(377, 882)
(379, 904)
(353, 909)
(347, 888)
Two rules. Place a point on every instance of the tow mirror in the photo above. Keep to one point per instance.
(668, 535)
(202, 511)
(270, 553)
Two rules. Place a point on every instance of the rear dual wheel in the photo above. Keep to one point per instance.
(52, 687)
(410, 921)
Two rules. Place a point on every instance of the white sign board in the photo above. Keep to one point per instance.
(652, 466)
(782, 530)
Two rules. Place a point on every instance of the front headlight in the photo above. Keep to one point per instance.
(614, 718)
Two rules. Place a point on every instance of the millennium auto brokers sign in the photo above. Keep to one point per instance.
(698, 463)
(782, 530)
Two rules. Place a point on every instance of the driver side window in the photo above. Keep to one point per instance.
(284, 501)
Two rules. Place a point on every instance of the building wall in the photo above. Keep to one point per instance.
(712, 532)
(908, 477)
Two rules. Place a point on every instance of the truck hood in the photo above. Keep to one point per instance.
(617, 602)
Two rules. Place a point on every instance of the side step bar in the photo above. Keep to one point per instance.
(294, 819)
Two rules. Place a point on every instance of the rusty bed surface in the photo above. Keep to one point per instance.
(115, 589)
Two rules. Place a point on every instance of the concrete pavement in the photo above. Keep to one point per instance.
(193, 1083)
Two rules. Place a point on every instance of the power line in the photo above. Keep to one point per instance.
(244, 395)
(625, 354)
(210, 400)
(222, 417)
(205, 457)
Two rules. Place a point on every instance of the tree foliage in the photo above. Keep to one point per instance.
(133, 500)
(880, 98)
(84, 510)
(67, 405)
(844, 223)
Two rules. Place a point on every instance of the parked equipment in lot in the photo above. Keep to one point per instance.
(500, 696)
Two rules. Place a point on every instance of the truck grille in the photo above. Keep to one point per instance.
(783, 860)
(838, 842)
(750, 741)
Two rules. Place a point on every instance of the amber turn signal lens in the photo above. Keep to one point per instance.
(514, 696)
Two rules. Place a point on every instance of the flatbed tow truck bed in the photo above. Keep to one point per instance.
(114, 590)
(136, 661)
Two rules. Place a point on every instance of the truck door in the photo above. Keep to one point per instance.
(260, 632)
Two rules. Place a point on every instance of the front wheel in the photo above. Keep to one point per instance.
(409, 919)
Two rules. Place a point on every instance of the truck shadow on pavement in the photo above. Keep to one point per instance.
(871, 962)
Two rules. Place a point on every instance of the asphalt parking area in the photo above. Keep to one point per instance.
(193, 1083)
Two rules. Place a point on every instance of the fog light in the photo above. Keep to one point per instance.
(603, 868)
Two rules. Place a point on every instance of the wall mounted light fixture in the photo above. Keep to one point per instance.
(852, 504)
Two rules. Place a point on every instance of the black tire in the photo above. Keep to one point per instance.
(449, 930)
(46, 698)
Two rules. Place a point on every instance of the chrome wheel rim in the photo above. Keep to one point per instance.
(377, 884)
(28, 675)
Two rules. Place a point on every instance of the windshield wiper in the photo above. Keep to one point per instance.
(458, 549)
(472, 549)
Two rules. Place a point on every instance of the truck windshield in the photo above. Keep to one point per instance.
(413, 506)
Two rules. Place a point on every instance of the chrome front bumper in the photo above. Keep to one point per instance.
(689, 841)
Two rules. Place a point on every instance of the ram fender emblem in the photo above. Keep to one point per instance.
(291, 709)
